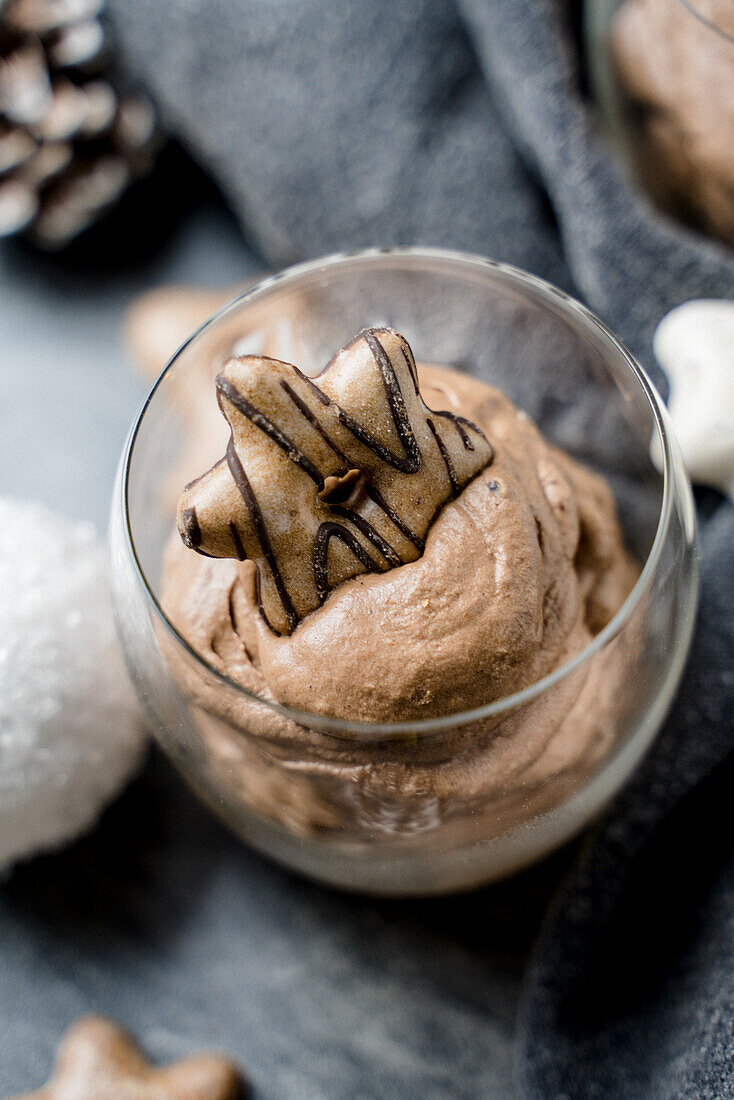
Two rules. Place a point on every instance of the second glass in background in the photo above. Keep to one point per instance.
(662, 72)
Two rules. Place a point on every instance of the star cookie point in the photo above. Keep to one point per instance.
(329, 477)
(99, 1060)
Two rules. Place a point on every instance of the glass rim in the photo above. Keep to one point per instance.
(347, 729)
(693, 7)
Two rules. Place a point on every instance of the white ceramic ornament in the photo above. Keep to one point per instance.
(71, 733)
(694, 345)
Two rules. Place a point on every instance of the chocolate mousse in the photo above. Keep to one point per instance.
(360, 556)
(676, 72)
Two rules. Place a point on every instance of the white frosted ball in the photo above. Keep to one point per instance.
(71, 732)
(694, 345)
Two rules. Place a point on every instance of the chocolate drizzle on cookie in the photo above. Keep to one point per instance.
(379, 463)
(242, 482)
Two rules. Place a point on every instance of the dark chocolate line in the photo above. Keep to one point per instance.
(408, 357)
(242, 482)
(323, 397)
(227, 390)
(411, 461)
(377, 498)
(405, 465)
(463, 433)
(191, 533)
(237, 541)
(446, 458)
(461, 424)
(465, 437)
(470, 424)
(396, 401)
(305, 411)
(326, 532)
(388, 552)
(372, 492)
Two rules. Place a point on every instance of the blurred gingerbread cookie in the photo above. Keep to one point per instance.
(160, 321)
(98, 1060)
(323, 482)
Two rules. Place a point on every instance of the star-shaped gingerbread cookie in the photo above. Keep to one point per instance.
(97, 1060)
(327, 478)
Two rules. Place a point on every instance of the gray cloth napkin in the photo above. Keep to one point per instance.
(462, 123)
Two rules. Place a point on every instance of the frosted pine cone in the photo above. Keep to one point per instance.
(70, 141)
